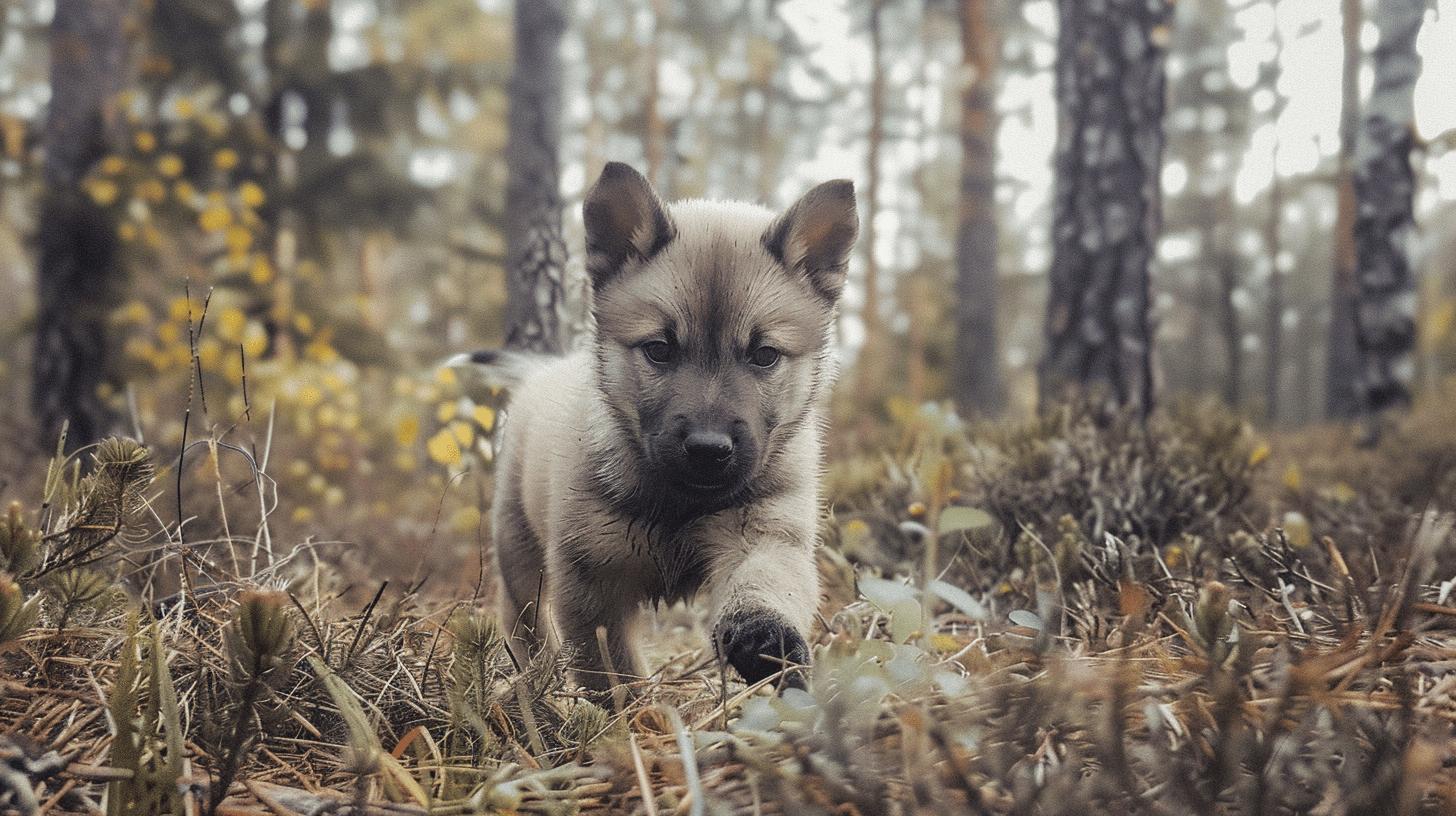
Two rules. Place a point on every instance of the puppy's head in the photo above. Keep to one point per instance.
(712, 325)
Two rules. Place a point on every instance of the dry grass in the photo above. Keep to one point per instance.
(1182, 658)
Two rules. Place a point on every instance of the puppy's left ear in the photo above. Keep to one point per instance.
(815, 236)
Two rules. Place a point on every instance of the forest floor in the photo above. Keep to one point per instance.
(1171, 618)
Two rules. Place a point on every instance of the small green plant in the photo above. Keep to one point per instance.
(259, 647)
(17, 614)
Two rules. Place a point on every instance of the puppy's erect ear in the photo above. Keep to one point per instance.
(624, 221)
(816, 235)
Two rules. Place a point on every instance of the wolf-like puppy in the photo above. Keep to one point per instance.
(678, 455)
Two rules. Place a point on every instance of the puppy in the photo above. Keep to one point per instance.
(678, 456)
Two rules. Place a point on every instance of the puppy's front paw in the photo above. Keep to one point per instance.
(758, 643)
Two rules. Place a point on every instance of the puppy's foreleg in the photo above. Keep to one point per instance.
(763, 596)
(582, 607)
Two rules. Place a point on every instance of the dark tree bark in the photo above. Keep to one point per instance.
(1230, 331)
(976, 378)
(1385, 316)
(79, 266)
(1110, 89)
(538, 292)
(1342, 365)
(1273, 248)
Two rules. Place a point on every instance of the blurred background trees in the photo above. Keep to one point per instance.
(357, 188)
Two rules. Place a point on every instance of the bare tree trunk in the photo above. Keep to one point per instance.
(1228, 318)
(537, 290)
(1274, 317)
(1110, 94)
(1385, 221)
(976, 379)
(78, 266)
(871, 311)
(1274, 247)
(1342, 366)
(654, 133)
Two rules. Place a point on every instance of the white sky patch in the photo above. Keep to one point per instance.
(1435, 97)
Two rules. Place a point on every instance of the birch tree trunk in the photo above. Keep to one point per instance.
(1385, 315)
(1342, 364)
(78, 269)
(1110, 96)
(976, 375)
(538, 294)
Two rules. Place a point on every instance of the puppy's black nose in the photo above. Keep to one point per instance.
(709, 449)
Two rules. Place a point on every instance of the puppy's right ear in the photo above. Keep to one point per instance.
(625, 221)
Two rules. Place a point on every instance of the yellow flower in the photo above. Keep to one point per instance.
(251, 194)
(1259, 454)
(465, 520)
(126, 232)
(310, 395)
(179, 309)
(1293, 479)
(133, 311)
(169, 333)
(230, 324)
(184, 192)
(446, 411)
(225, 159)
(261, 272)
(407, 430)
(146, 141)
(464, 433)
(255, 339)
(152, 191)
(320, 351)
(111, 165)
(445, 376)
(215, 219)
(209, 353)
(485, 416)
(170, 165)
(443, 448)
(102, 191)
(238, 239)
(184, 107)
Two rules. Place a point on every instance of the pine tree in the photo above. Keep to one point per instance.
(1110, 89)
(79, 267)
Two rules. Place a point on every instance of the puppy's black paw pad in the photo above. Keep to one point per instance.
(759, 644)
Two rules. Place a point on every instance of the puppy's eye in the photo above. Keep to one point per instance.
(658, 352)
(764, 356)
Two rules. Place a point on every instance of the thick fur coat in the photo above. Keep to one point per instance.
(678, 456)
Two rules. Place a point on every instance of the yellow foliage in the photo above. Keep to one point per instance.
(1293, 478)
(230, 324)
(184, 192)
(133, 311)
(407, 430)
(184, 108)
(255, 339)
(225, 159)
(169, 333)
(170, 165)
(310, 396)
(238, 239)
(443, 448)
(446, 411)
(146, 141)
(215, 218)
(465, 520)
(209, 353)
(251, 194)
(152, 191)
(179, 309)
(464, 433)
(484, 416)
(111, 165)
(446, 377)
(102, 191)
(320, 351)
(1259, 454)
(126, 232)
(261, 272)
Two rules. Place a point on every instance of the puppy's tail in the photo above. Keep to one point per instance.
(495, 368)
